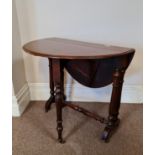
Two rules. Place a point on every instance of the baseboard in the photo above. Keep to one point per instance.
(15, 107)
(77, 92)
(20, 101)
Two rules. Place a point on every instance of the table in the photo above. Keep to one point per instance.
(93, 65)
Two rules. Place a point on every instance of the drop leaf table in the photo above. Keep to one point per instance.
(93, 65)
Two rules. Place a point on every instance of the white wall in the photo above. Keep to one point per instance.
(20, 91)
(18, 70)
(101, 21)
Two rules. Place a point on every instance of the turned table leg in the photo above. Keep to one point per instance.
(59, 96)
(113, 120)
(51, 99)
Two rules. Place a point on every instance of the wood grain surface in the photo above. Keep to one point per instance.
(71, 49)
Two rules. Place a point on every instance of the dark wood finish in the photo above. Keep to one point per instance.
(97, 72)
(59, 96)
(71, 49)
(51, 99)
(86, 112)
(93, 65)
(113, 120)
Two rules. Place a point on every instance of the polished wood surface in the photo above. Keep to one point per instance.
(71, 49)
(96, 73)
(93, 65)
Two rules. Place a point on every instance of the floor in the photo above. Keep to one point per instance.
(34, 132)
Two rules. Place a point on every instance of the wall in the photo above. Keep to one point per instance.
(19, 87)
(103, 21)
(18, 70)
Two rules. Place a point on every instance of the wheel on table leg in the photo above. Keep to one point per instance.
(62, 141)
(109, 130)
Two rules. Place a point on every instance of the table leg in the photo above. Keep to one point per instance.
(62, 80)
(113, 120)
(51, 99)
(59, 96)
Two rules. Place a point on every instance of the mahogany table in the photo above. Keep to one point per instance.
(93, 65)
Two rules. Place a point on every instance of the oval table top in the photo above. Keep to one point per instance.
(71, 49)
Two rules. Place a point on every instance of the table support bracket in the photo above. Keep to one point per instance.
(86, 112)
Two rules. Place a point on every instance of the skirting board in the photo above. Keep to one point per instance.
(77, 92)
(20, 101)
